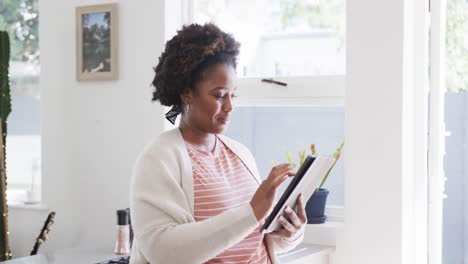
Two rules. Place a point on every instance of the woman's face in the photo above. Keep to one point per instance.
(211, 103)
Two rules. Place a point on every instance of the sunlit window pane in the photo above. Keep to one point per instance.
(23, 142)
(270, 131)
(455, 209)
(282, 37)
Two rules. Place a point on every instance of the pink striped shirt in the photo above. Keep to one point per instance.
(221, 181)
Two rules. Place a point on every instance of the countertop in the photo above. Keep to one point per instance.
(81, 256)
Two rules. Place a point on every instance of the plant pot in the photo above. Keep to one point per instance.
(315, 207)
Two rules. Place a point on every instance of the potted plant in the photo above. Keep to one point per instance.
(315, 207)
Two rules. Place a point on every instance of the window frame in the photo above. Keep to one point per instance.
(436, 135)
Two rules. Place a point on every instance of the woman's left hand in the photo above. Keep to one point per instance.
(297, 221)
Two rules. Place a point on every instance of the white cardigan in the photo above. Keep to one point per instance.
(162, 206)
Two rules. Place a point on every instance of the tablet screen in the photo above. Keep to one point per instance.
(295, 181)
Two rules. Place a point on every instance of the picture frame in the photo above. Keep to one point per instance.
(97, 42)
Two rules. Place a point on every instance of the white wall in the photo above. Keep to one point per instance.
(91, 131)
(24, 226)
(379, 138)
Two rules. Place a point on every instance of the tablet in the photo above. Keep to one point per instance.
(306, 180)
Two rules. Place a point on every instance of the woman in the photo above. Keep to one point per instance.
(196, 195)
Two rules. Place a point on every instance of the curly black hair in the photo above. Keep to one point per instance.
(193, 50)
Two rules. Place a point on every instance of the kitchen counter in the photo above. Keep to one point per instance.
(304, 253)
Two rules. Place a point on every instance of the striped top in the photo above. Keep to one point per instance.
(221, 181)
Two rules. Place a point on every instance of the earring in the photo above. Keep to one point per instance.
(188, 107)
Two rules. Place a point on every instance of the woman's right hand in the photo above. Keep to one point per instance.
(262, 201)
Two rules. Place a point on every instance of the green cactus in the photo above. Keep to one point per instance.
(5, 109)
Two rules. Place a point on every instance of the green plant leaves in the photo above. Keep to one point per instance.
(302, 155)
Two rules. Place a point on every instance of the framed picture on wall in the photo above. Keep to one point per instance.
(97, 47)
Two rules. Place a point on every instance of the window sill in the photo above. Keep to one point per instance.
(24, 206)
(323, 234)
(307, 253)
(326, 225)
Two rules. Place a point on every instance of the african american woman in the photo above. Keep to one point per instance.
(196, 195)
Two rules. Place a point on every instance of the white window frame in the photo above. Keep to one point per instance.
(301, 91)
(436, 151)
(320, 90)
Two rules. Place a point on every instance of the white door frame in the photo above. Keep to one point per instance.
(436, 142)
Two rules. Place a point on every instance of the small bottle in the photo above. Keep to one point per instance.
(122, 243)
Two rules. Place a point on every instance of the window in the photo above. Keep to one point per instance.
(23, 143)
(455, 212)
(457, 45)
(270, 131)
(282, 37)
(301, 43)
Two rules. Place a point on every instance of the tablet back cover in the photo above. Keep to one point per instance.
(310, 181)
